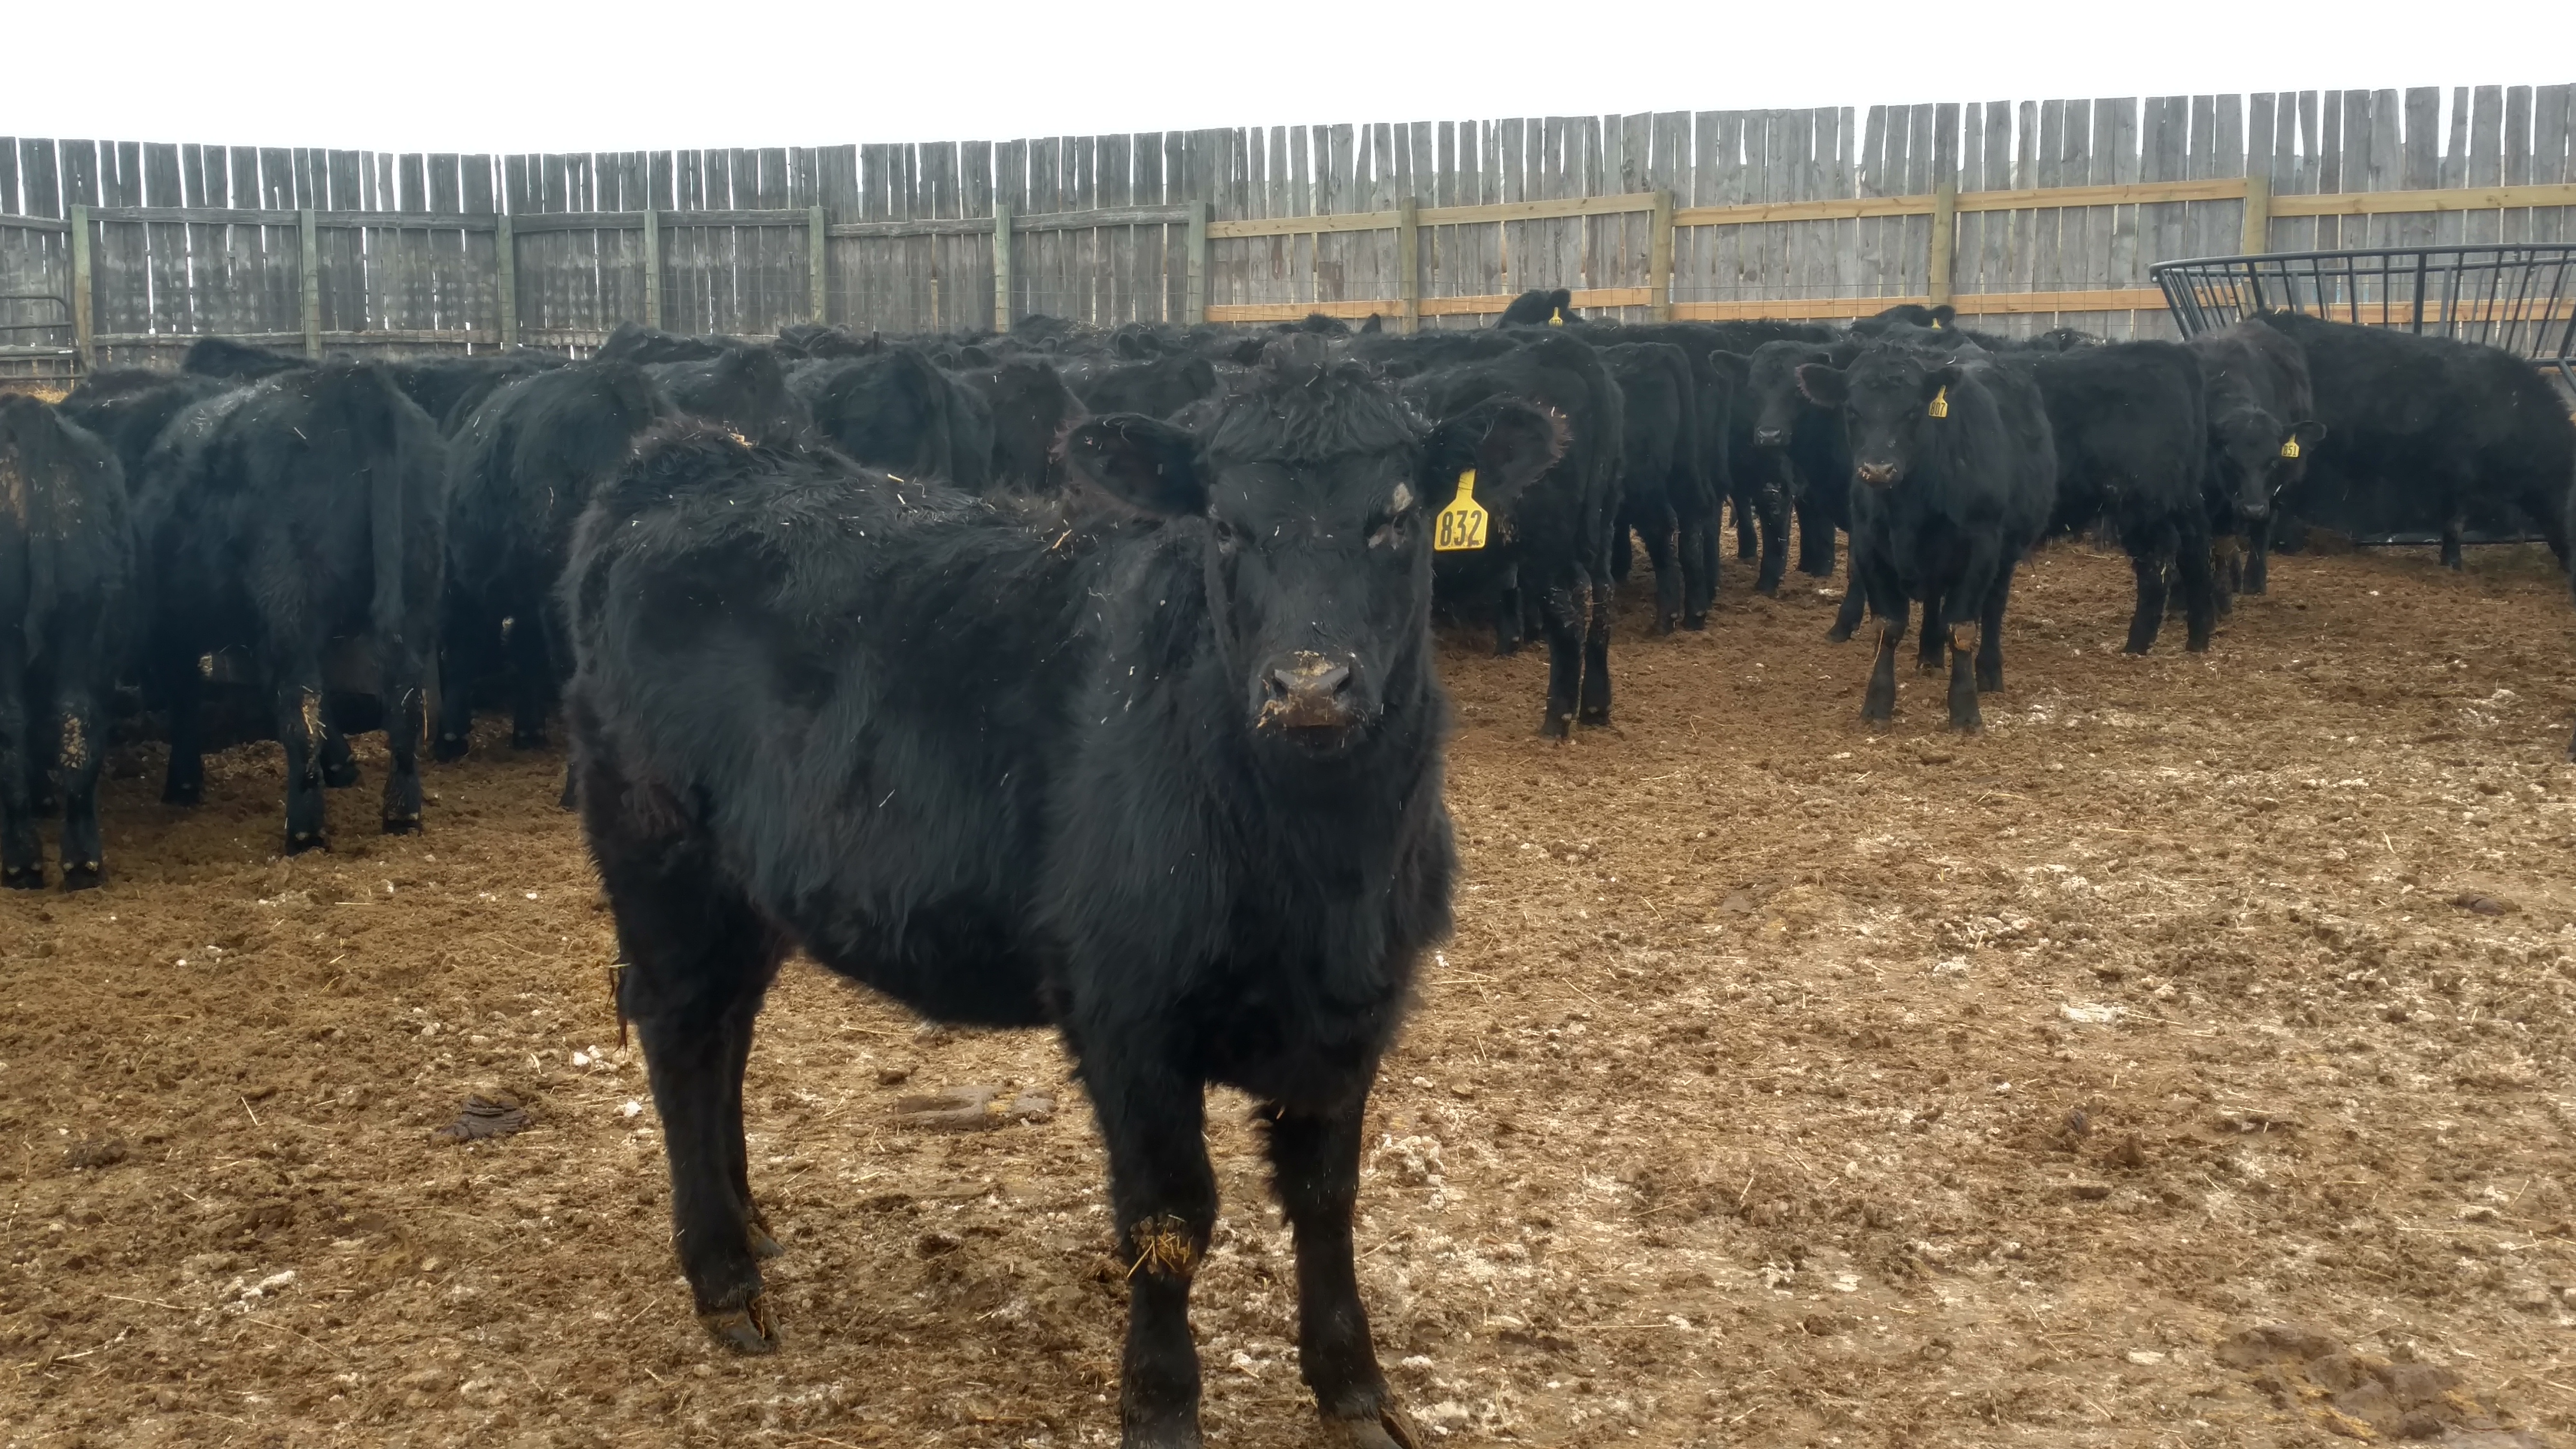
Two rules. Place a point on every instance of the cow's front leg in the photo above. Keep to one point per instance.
(1315, 1169)
(1163, 1193)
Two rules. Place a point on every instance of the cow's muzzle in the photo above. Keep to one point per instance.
(1770, 437)
(1876, 475)
(1309, 697)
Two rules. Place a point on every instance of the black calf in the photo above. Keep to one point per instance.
(2262, 431)
(744, 389)
(2132, 436)
(519, 473)
(1162, 771)
(278, 517)
(1953, 476)
(66, 584)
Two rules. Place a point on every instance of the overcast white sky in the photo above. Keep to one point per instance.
(530, 75)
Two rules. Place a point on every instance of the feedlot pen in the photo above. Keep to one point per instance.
(2184, 1061)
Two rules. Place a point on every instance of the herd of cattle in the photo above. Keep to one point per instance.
(1086, 679)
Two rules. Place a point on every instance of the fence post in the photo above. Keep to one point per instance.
(1945, 237)
(818, 262)
(312, 282)
(1194, 296)
(1659, 260)
(505, 257)
(652, 269)
(1001, 266)
(1408, 264)
(84, 323)
(2258, 215)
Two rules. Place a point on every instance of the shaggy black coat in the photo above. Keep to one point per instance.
(744, 389)
(1165, 774)
(2262, 431)
(2130, 424)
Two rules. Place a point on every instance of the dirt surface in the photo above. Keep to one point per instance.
(2184, 1061)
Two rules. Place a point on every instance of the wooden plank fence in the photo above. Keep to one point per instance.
(2029, 215)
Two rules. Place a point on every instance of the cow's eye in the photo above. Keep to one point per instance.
(1390, 533)
(1225, 536)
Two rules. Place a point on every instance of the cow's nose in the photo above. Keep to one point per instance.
(1876, 475)
(1308, 692)
(1770, 438)
(2253, 508)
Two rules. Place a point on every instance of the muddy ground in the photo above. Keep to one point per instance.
(2184, 1061)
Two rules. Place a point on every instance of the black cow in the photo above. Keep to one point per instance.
(277, 517)
(238, 361)
(2131, 429)
(450, 388)
(130, 408)
(816, 340)
(1805, 447)
(1552, 534)
(1164, 773)
(1664, 496)
(1029, 412)
(2262, 430)
(1953, 479)
(2438, 428)
(519, 473)
(895, 410)
(1539, 307)
(66, 596)
(1157, 388)
(744, 389)
(636, 343)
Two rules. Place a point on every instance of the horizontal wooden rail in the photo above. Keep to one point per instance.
(2378, 203)
(479, 335)
(35, 223)
(1970, 304)
(634, 220)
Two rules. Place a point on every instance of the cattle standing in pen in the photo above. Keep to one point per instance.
(2262, 431)
(1161, 769)
(1953, 477)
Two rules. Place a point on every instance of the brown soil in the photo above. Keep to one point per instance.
(2182, 1062)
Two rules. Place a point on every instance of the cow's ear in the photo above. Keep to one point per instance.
(1148, 464)
(1824, 385)
(1735, 365)
(1508, 442)
(1375, 324)
(2309, 433)
(974, 356)
(1941, 379)
(1944, 315)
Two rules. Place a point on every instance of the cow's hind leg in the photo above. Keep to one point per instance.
(1660, 552)
(1315, 1169)
(1990, 631)
(22, 850)
(405, 693)
(698, 961)
(79, 739)
(1596, 651)
(1878, 702)
(1153, 1121)
(2151, 548)
(1568, 610)
(1748, 543)
(1932, 651)
(1815, 541)
(183, 686)
(2200, 591)
(1774, 507)
(1698, 562)
(339, 762)
(297, 692)
(2453, 528)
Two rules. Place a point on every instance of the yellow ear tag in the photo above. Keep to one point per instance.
(1936, 324)
(2290, 448)
(1462, 523)
(1556, 317)
(1940, 404)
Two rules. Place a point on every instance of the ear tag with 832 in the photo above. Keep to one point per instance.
(1461, 525)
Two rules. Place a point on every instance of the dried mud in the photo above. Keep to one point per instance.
(2183, 1061)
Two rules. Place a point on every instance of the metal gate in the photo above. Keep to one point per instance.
(36, 325)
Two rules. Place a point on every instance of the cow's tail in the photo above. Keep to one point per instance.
(390, 469)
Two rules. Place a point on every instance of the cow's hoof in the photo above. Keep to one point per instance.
(531, 741)
(298, 842)
(340, 777)
(1839, 634)
(182, 794)
(448, 749)
(1594, 719)
(1694, 622)
(85, 876)
(403, 824)
(762, 1245)
(1556, 727)
(1506, 651)
(23, 878)
(747, 1329)
(1387, 1429)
